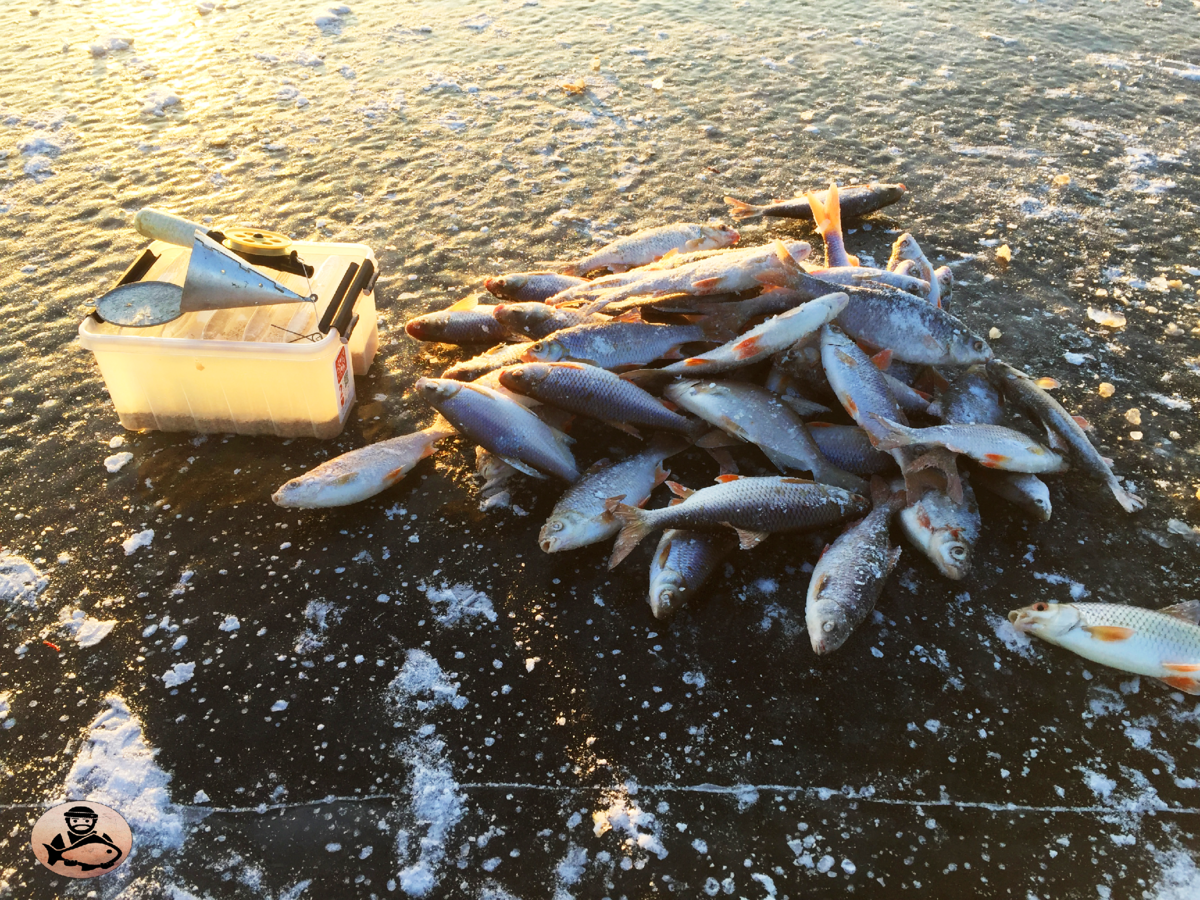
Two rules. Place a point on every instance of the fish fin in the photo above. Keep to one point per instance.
(816, 202)
(811, 425)
(881, 491)
(934, 344)
(673, 353)
(660, 475)
(568, 365)
(882, 360)
(819, 583)
(748, 540)
(934, 470)
(994, 460)
(1188, 611)
(846, 359)
(723, 479)
(640, 377)
(789, 262)
(833, 212)
(774, 279)
(733, 428)
(345, 479)
(739, 209)
(464, 304)
(724, 459)
(1082, 422)
(893, 558)
(393, 476)
(618, 268)
(933, 381)
(630, 315)
(625, 427)
(674, 501)
(716, 438)
(672, 252)
(633, 528)
(886, 434)
(720, 326)
(597, 466)
(1046, 383)
(744, 349)
(1183, 683)
(1129, 502)
(521, 467)
(792, 479)
(707, 285)
(851, 407)
(782, 461)
(679, 490)
(1108, 460)
(1109, 632)
(1182, 667)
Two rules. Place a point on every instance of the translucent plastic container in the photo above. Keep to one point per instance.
(251, 370)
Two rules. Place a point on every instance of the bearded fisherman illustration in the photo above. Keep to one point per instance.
(82, 846)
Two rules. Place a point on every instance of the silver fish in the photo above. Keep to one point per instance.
(522, 287)
(913, 329)
(612, 344)
(495, 358)
(971, 399)
(753, 507)
(581, 516)
(362, 473)
(849, 577)
(682, 563)
(537, 320)
(1026, 491)
(595, 392)
(849, 447)
(1062, 429)
(502, 426)
(993, 446)
(757, 416)
(466, 322)
(943, 530)
(772, 336)
(652, 244)
(907, 248)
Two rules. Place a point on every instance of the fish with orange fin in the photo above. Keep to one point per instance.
(362, 473)
(1158, 643)
(993, 446)
(827, 213)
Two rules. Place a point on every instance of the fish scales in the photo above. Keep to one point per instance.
(522, 287)
(595, 392)
(1024, 393)
(502, 426)
(849, 447)
(849, 577)
(754, 507)
(537, 320)
(682, 563)
(651, 244)
(1163, 643)
(612, 344)
(581, 518)
(495, 358)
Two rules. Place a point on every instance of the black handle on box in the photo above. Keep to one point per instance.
(335, 302)
(342, 321)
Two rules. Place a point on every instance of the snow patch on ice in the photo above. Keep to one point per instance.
(1016, 641)
(111, 43)
(459, 603)
(421, 677)
(321, 614)
(137, 541)
(20, 581)
(623, 816)
(1180, 879)
(230, 623)
(158, 100)
(178, 674)
(117, 461)
(88, 632)
(115, 766)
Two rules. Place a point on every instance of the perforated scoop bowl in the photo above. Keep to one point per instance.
(141, 304)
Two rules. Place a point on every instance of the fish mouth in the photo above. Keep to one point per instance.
(818, 645)
(1021, 622)
(548, 545)
(414, 330)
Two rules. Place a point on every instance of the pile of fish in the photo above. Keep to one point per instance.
(870, 398)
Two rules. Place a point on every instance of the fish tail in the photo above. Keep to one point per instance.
(723, 325)
(669, 444)
(740, 210)
(53, 854)
(1129, 502)
(634, 528)
(885, 434)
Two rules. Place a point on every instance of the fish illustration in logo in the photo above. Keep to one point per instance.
(82, 846)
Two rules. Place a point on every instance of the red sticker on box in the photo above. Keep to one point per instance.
(341, 369)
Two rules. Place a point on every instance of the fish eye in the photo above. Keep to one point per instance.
(1040, 607)
(556, 527)
(665, 597)
(827, 627)
(958, 552)
(978, 345)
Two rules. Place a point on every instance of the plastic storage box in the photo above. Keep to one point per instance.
(249, 370)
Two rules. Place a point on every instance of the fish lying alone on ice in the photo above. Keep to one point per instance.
(362, 473)
(857, 200)
(1162, 643)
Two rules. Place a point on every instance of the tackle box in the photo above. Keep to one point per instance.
(282, 369)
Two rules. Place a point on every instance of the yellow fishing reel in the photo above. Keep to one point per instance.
(255, 241)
